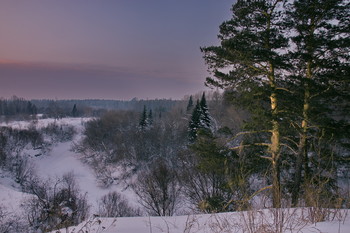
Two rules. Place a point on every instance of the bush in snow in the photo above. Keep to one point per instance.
(56, 204)
(12, 144)
(60, 133)
(23, 170)
(158, 189)
(213, 177)
(3, 141)
(114, 204)
(9, 222)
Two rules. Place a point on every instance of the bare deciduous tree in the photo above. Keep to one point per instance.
(114, 204)
(158, 189)
(56, 204)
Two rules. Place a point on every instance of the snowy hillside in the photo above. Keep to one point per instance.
(288, 220)
(60, 159)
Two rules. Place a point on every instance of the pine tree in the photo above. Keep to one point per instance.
(190, 104)
(250, 44)
(194, 124)
(143, 120)
(200, 119)
(29, 109)
(321, 66)
(150, 117)
(75, 111)
(204, 116)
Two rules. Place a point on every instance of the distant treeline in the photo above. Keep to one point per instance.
(17, 106)
(90, 107)
(134, 104)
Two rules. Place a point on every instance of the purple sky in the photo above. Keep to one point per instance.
(111, 49)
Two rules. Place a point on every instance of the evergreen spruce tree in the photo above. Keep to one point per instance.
(200, 119)
(150, 117)
(143, 119)
(204, 116)
(190, 104)
(194, 123)
(75, 111)
(29, 109)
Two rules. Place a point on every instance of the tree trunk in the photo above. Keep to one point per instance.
(302, 159)
(275, 143)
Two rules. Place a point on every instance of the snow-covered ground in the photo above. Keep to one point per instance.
(11, 199)
(40, 123)
(61, 160)
(288, 220)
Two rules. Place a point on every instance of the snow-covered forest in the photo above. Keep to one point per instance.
(268, 151)
(116, 172)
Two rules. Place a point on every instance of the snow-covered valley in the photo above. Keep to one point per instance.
(61, 159)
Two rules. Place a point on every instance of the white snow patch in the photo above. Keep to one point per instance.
(237, 222)
(78, 123)
(61, 160)
(12, 199)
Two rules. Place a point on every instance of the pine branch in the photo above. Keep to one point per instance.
(249, 145)
(250, 132)
(290, 148)
(285, 89)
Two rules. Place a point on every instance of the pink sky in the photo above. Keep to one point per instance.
(106, 49)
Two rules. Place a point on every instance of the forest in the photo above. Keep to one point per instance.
(274, 134)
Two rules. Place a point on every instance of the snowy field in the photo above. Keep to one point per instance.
(40, 123)
(61, 160)
(262, 221)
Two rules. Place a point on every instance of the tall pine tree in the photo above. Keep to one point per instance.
(321, 71)
(249, 52)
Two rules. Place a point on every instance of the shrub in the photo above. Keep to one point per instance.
(56, 204)
(114, 204)
(158, 189)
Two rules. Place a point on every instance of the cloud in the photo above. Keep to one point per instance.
(65, 81)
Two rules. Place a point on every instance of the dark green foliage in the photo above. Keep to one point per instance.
(249, 61)
(320, 74)
(150, 117)
(212, 175)
(246, 44)
(200, 119)
(143, 119)
(204, 116)
(295, 85)
(194, 123)
(146, 120)
(74, 111)
(190, 104)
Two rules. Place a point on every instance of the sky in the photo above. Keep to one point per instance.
(106, 49)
